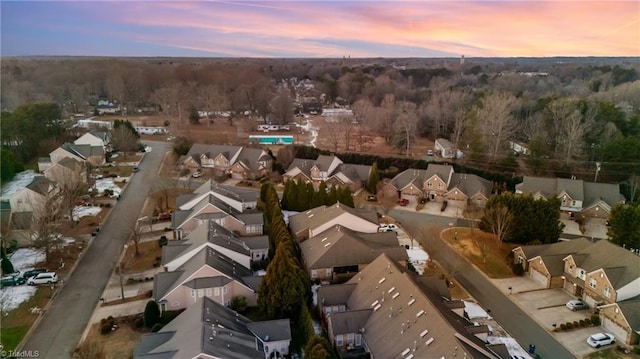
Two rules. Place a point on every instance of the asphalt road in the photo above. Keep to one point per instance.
(62, 325)
(521, 327)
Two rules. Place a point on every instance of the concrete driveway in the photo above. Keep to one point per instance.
(547, 307)
(596, 227)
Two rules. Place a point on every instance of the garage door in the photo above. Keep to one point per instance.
(538, 277)
(615, 329)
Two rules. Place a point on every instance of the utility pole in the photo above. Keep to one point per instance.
(598, 164)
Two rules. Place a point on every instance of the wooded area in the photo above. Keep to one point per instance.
(570, 113)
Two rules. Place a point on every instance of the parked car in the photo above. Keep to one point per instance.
(403, 202)
(600, 339)
(372, 198)
(32, 273)
(43, 278)
(387, 227)
(135, 169)
(577, 304)
(11, 280)
(196, 174)
(164, 217)
(429, 152)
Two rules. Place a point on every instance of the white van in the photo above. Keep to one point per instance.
(43, 278)
(263, 128)
(274, 127)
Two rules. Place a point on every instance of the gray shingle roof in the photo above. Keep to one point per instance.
(350, 322)
(410, 176)
(324, 162)
(607, 192)
(631, 311)
(337, 247)
(233, 192)
(623, 265)
(444, 172)
(205, 328)
(471, 184)
(335, 294)
(562, 247)
(588, 192)
(400, 302)
(40, 185)
(320, 215)
(250, 157)
(271, 330)
(303, 165)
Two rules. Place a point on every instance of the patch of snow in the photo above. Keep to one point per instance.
(475, 311)
(286, 214)
(260, 273)
(512, 346)
(418, 258)
(85, 211)
(107, 183)
(23, 259)
(21, 180)
(314, 290)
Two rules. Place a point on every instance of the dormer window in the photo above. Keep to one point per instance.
(592, 283)
(607, 292)
(581, 274)
(429, 185)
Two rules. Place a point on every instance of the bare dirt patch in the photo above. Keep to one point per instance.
(120, 342)
(150, 251)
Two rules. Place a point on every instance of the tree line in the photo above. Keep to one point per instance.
(300, 195)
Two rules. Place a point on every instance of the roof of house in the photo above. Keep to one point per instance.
(409, 176)
(335, 294)
(206, 256)
(444, 172)
(554, 263)
(631, 311)
(348, 173)
(41, 185)
(250, 158)
(71, 163)
(318, 216)
(562, 247)
(300, 165)
(350, 322)
(587, 192)
(104, 136)
(471, 184)
(398, 305)
(209, 328)
(325, 163)
(211, 151)
(621, 266)
(444, 142)
(340, 246)
(237, 193)
(83, 151)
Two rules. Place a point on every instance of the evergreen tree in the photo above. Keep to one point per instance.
(346, 197)
(374, 179)
(286, 195)
(308, 200)
(625, 225)
(320, 197)
(7, 266)
(318, 347)
(283, 288)
(333, 195)
(194, 117)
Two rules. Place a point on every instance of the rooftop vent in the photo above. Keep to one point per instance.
(424, 332)
(375, 309)
(420, 313)
(405, 352)
(396, 295)
(429, 341)
(391, 290)
(327, 244)
(382, 280)
(412, 301)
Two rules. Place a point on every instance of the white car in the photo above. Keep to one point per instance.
(43, 278)
(600, 339)
(387, 227)
(576, 304)
(196, 174)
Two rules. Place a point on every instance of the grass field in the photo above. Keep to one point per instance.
(16, 323)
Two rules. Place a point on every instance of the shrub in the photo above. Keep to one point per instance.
(576, 324)
(163, 241)
(105, 328)
(518, 269)
(151, 314)
(239, 304)
(156, 328)
(569, 325)
(149, 293)
(563, 326)
(444, 206)
(636, 349)
(595, 320)
(139, 322)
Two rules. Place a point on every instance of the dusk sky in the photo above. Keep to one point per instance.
(301, 28)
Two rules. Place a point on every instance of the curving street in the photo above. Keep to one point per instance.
(61, 327)
(519, 325)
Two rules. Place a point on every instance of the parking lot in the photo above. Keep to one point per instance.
(547, 307)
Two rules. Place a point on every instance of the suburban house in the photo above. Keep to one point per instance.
(545, 262)
(95, 138)
(440, 183)
(244, 250)
(622, 320)
(210, 330)
(67, 169)
(95, 155)
(445, 148)
(518, 148)
(382, 313)
(108, 109)
(317, 220)
(604, 274)
(230, 207)
(33, 197)
(206, 273)
(578, 198)
(342, 251)
(328, 169)
(235, 161)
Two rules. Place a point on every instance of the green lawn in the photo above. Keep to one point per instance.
(17, 322)
(612, 353)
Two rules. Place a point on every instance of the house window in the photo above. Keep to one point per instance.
(328, 272)
(209, 292)
(607, 292)
(314, 273)
(439, 185)
(581, 274)
(200, 293)
(216, 291)
(429, 185)
(350, 338)
(573, 203)
(224, 290)
(520, 260)
(564, 201)
(592, 283)
(358, 340)
(339, 340)
(266, 348)
(193, 293)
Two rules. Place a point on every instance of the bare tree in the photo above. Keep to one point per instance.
(72, 185)
(496, 120)
(499, 219)
(406, 121)
(387, 202)
(431, 240)
(346, 125)
(135, 233)
(334, 134)
(124, 139)
(45, 220)
(571, 136)
(215, 100)
(558, 111)
(282, 106)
